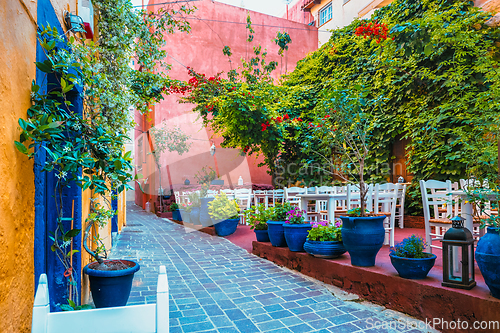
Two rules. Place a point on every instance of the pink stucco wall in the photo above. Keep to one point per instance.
(296, 14)
(215, 25)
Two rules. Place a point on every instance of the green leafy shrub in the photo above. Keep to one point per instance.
(257, 217)
(323, 231)
(221, 208)
(173, 206)
(279, 211)
(410, 247)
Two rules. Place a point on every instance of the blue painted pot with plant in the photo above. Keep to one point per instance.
(275, 230)
(488, 254)
(194, 215)
(410, 260)
(324, 240)
(296, 229)
(176, 214)
(257, 217)
(224, 214)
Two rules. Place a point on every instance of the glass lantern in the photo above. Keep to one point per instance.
(458, 256)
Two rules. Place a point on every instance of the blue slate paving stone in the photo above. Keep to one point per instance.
(245, 325)
(217, 287)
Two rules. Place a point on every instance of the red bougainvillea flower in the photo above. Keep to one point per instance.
(378, 31)
(286, 117)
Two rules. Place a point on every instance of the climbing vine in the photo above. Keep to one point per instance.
(81, 119)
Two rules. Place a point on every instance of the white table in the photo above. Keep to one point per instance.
(329, 198)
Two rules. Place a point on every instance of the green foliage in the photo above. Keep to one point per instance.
(436, 82)
(237, 107)
(410, 247)
(194, 199)
(221, 208)
(71, 306)
(87, 148)
(278, 212)
(282, 40)
(173, 206)
(324, 231)
(187, 207)
(257, 217)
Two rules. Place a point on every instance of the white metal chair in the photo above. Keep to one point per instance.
(147, 318)
(384, 202)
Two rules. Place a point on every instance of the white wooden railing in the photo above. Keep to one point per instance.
(149, 318)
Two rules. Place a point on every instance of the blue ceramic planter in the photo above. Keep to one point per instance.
(488, 259)
(276, 233)
(413, 268)
(326, 250)
(194, 215)
(226, 227)
(205, 218)
(186, 217)
(262, 235)
(176, 215)
(363, 237)
(111, 288)
(296, 235)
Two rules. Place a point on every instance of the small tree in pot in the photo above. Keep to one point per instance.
(224, 213)
(345, 126)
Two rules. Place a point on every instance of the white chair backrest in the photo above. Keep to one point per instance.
(243, 197)
(278, 195)
(177, 196)
(229, 193)
(385, 197)
(291, 194)
(212, 193)
(325, 189)
(472, 182)
(312, 190)
(437, 198)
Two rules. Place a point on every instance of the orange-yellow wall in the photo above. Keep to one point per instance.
(17, 70)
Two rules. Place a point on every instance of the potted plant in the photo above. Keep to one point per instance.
(257, 219)
(345, 129)
(296, 229)
(410, 260)
(194, 215)
(485, 198)
(204, 178)
(277, 216)
(176, 214)
(324, 240)
(186, 212)
(224, 212)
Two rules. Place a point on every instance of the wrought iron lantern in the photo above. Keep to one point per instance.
(458, 256)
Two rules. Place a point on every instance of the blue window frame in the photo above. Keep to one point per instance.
(325, 14)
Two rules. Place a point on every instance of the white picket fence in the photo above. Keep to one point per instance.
(149, 318)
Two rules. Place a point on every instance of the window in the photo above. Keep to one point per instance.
(325, 14)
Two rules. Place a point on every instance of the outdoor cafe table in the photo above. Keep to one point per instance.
(467, 210)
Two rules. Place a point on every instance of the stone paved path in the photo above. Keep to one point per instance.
(215, 286)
